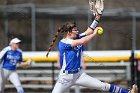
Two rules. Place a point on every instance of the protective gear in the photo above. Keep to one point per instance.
(96, 6)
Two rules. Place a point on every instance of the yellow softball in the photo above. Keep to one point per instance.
(100, 31)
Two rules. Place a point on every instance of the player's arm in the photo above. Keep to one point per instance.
(93, 25)
(25, 64)
(85, 39)
(2, 53)
(97, 8)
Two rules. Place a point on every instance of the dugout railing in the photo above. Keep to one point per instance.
(108, 66)
(39, 76)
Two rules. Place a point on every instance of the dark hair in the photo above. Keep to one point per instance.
(65, 28)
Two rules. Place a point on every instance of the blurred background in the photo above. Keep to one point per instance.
(36, 21)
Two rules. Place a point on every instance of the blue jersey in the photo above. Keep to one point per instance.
(70, 57)
(10, 58)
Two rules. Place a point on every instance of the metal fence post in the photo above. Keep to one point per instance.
(133, 59)
(33, 28)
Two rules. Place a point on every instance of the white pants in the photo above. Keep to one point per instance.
(13, 77)
(65, 81)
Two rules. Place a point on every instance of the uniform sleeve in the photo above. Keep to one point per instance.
(2, 53)
(67, 44)
(64, 45)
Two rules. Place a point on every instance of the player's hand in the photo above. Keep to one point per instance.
(95, 30)
(28, 63)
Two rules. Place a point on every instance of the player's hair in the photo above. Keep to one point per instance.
(67, 27)
(64, 29)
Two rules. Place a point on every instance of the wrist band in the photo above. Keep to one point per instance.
(94, 24)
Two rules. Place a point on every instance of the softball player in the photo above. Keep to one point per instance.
(70, 48)
(83, 66)
(10, 56)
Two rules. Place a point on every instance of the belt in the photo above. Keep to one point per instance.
(72, 71)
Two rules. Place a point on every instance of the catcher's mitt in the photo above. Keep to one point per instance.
(96, 6)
